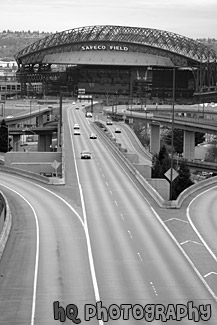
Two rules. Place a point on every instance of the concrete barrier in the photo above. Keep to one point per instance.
(5, 231)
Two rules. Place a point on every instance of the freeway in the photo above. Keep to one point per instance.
(135, 260)
(99, 239)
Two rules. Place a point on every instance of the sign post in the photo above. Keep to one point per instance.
(55, 164)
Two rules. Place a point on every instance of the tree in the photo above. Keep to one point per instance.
(3, 137)
(160, 163)
(183, 181)
(178, 139)
(178, 136)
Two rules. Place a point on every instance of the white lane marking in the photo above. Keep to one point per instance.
(154, 289)
(139, 256)
(116, 203)
(190, 241)
(130, 234)
(177, 219)
(90, 255)
(193, 226)
(110, 192)
(107, 183)
(36, 253)
(206, 275)
(122, 217)
(186, 256)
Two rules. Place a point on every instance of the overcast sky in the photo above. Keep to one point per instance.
(191, 18)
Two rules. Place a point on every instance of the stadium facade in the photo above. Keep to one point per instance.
(119, 62)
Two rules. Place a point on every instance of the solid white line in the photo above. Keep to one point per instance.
(36, 254)
(177, 219)
(185, 254)
(90, 255)
(190, 241)
(206, 275)
(193, 226)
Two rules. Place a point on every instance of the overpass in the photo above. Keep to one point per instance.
(156, 119)
(22, 124)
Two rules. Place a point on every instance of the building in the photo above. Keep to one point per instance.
(119, 63)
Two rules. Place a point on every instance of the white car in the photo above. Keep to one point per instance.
(93, 136)
(76, 126)
(85, 154)
(89, 114)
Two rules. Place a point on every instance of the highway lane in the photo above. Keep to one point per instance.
(135, 260)
(63, 272)
(127, 141)
(201, 213)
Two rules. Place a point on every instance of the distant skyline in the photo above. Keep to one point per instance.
(190, 18)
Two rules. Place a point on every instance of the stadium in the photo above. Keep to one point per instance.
(121, 64)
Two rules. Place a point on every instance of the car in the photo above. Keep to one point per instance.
(93, 136)
(117, 130)
(77, 132)
(76, 126)
(89, 114)
(85, 154)
(76, 107)
(109, 122)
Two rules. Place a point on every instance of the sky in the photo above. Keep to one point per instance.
(190, 18)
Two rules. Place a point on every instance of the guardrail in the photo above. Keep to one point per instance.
(209, 122)
(17, 171)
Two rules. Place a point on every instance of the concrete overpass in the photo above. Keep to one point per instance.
(156, 119)
(46, 125)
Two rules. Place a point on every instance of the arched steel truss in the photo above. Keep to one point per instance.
(157, 40)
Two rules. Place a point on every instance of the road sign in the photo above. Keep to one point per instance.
(174, 174)
(55, 164)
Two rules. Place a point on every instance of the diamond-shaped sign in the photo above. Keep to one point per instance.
(55, 164)
(174, 174)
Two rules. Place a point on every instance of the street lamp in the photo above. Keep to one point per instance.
(172, 140)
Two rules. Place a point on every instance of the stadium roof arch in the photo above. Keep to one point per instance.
(116, 45)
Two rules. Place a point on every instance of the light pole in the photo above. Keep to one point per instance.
(172, 140)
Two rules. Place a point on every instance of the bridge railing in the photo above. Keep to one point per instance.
(203, 121)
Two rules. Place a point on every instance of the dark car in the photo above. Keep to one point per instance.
(85, 154)
(117, 130)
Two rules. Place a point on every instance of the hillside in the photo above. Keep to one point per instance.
(13, 42)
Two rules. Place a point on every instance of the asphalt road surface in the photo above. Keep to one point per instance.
(95, 238)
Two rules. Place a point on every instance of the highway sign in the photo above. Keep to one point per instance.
(174, 174)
